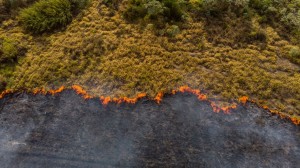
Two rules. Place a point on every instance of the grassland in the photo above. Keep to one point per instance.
(110, 56)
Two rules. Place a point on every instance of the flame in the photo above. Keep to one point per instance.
(243, 99)
(158, 98)
(196, 92)
(5, 92)
(105, 100)
(79, 90)
(202, 97)
(53, 92)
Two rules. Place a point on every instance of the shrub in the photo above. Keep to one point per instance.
(46, 15)
(216, 8)
(14, 4)
(155, 10)
(135, 10)
(8, 51)
(173, 9)
(294, 53)
(173, 30)
(260, 5)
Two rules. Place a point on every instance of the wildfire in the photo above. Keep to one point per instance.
(5, 92)
(79, 90)
(243, 99)
(158, 98)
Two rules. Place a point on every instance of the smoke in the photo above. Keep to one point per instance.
(67, 131)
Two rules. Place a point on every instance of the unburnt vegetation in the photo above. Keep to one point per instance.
(228, 48)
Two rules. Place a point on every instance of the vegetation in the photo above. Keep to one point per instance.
(9, 50)
(14, 4)
(46, 15)
(228, 48)
(156, 11)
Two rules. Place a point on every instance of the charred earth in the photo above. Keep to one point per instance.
(65, 130)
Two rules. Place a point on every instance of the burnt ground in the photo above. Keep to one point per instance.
(68, 131)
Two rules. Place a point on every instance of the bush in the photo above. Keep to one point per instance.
(8, 51)
(14, 4)
(135, 10)
(216, 8)
(295, 53)
(155, 10)
(46, 15)
(172, 31)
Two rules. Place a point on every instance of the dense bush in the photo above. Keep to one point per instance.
(8, 50)
(155, 10)
(14, 4)
(217, 8)
(46, 15)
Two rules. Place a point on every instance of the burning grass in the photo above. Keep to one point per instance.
(217, 107)
(100, 51)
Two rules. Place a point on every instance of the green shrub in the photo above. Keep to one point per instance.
(135, 10)
(157, 11)
(14, 4)
(295, 53)
(173, 30)
(260, 5)
(216, 8)
(8, 51)
(46, 15)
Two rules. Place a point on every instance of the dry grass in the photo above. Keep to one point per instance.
(108, 56)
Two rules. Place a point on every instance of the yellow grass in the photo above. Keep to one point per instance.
(108, 56)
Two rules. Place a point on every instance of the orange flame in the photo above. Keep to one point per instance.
(53, 92)
(105, 100)
(79, 90)
(158, 97)
(243, 99)
(5, 92)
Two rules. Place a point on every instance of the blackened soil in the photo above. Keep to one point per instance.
(68, 131)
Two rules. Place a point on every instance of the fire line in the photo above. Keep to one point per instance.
(158, 98)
